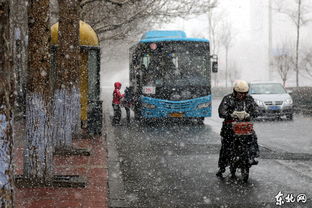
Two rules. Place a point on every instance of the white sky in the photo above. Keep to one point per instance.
(249, 19)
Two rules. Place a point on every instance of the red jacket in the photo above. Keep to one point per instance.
(116, 94)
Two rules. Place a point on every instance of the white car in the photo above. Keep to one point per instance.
(272, 98)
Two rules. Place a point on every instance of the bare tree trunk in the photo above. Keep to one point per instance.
(211, 30)
(226, 66)
(212, 43)
(297, 44)
(6, 107)
(19, 28)
(39, 149)
(67, 95)
(270, 67)
(226, 39)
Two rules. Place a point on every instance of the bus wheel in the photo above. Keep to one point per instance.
(200, 120)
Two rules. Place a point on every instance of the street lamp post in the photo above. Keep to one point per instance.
(270, 68)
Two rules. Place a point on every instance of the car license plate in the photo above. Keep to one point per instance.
(274, 107)
(176, 115)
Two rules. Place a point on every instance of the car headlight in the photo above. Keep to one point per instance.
(259, 103)
(289, 101)
(147, 105)
(204, 105)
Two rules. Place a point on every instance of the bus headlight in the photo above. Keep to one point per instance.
(149, 106)
(204, 105)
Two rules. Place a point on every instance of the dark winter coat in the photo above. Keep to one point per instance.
(128, 97)
(228, 105)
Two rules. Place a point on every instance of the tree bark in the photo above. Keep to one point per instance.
(67, 95)
(297, 43)
(226, 66)
(6, 107)
(39, 149)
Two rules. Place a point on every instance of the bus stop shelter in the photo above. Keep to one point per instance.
(89, 79)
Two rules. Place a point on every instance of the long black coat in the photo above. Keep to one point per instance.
(228, 105)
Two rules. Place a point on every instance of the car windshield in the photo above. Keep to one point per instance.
(267, 88)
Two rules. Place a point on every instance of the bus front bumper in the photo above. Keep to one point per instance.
(161, 113)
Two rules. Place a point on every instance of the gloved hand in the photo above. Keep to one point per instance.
(235, 114)
(247, 115)
(240, 115)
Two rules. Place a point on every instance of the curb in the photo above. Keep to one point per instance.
(116, 196)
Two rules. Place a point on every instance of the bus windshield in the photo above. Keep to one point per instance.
(176, 64)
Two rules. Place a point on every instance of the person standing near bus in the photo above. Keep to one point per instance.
(128, 101)
(117, 96)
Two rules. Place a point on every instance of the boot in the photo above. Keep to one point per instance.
(233, 171)
(252, 161)
(220, 171)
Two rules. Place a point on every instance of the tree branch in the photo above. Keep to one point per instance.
(119, 2)
(135, 16)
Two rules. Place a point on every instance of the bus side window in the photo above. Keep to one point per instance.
(145, 70)
(146, 61)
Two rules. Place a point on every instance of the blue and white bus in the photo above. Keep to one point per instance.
(171, 76)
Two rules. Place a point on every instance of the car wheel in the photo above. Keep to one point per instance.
(289, 116)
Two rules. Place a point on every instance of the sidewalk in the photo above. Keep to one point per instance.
(93, 168)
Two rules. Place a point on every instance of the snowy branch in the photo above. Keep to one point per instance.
(109, 17)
